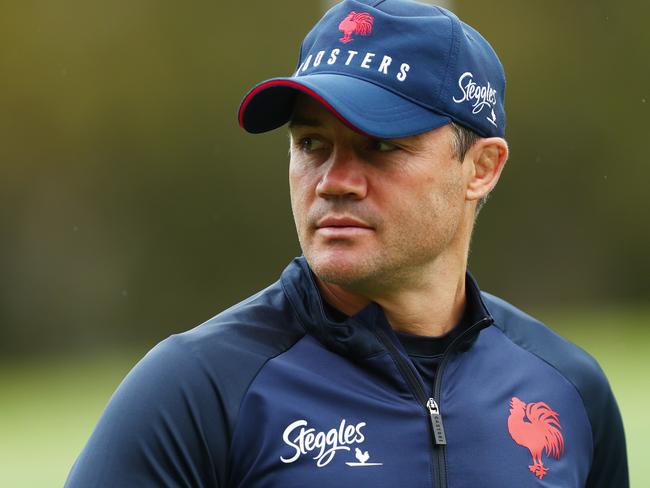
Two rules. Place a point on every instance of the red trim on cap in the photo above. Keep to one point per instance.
(297, 86)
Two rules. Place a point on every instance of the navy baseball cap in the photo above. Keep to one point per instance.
(389, 68)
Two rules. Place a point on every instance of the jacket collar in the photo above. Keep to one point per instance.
(356, 335)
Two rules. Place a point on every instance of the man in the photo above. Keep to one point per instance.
(375, 360)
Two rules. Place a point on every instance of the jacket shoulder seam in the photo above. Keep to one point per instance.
(248, 387)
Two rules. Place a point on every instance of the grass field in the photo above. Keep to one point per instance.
(47, 410)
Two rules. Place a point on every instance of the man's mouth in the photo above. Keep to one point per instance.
(338, 222)
(341, 226)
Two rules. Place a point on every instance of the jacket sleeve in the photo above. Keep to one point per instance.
(163, 427)
(609, 465)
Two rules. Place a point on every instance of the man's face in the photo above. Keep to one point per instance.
(373, 215)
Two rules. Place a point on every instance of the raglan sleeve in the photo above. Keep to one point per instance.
(609, 466)
(165, 425)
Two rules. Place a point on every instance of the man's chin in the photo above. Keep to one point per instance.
(344, 268)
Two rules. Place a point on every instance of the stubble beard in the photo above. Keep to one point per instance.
(397, 264)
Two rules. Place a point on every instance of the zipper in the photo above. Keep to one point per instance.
(431, 405)
(484, 322)
(436, 423)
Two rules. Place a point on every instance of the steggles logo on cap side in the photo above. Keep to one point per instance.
(479, 96)
(355, 23)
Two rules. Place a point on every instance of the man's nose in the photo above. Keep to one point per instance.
(344, 176)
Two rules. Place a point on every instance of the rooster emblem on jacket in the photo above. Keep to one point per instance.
(355, 23)
(536, 427)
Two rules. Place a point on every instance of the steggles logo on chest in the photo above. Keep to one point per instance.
(305, 440)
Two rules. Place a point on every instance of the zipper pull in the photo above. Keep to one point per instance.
(436, 423)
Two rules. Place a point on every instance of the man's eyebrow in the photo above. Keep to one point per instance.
(300, 121)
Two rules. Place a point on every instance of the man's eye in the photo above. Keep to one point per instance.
(309, 144)
(383, 146)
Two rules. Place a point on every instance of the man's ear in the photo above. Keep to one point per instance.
(487, 158)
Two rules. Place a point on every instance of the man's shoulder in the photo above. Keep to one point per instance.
(539, 339)
(262, 324)
(221, 357)
(532, 335)
(174, 414)
(229, 349)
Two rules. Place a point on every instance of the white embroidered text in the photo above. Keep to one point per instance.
(324, 445)
(479, 96)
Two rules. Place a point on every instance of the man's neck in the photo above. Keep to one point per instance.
(431, 309)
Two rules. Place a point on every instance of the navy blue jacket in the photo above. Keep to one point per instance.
(274, 393)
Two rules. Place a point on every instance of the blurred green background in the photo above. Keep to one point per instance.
(133, 207)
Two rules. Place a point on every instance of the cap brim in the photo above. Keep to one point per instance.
(363, 106)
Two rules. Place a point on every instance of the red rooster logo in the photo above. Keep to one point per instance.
(355, 23)
(537, 427)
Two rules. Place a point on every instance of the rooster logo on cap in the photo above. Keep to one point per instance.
(355, 23)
